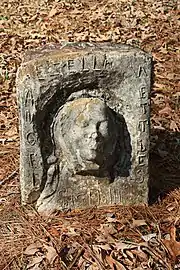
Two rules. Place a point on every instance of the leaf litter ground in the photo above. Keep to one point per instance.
(117, 237)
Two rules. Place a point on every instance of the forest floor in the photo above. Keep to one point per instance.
(116, 237)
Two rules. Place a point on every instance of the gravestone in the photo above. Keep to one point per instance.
(84, 124)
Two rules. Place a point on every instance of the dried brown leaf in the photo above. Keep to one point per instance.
(54, 232)
(122, 246)
(53, 12)
(142, 255)
(36, 267)
(148, 237)
(172, 245)
(167, 110)
(162, 153)
(51, 253)
(105, 247)
(113, 263)
(173, 126)
(12, 132)
(110, 219)
(72, 231)
(32, 248)
(138, 222)
(159, 99)
(35, 261)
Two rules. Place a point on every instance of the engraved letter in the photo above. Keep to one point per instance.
(83, 65)
(144, 108)
(115, 195)
(142, 125)
(94, 63)
(107, 64)
(71, 65)
(32, 163)
(139, 178)
(141, 146)
(29, 98)
(141, 160)
(143, 92)
(32, 158)
(31, 138)
(28, 116)
(141, 72)
(94, 197)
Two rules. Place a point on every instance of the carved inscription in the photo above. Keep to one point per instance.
(115, 195)
(94, 197)
(28, 116)
(142, 71)
(28, 104)
(82, 197)
(144, 108)
(141, 146)
(85, 64)
(107, 63)
(140, 176)
(70, 65)
(90, 197)
(143, 93)
(67, 198)
(33, 161)
(141, 160)
(31, 138)
(142, 126)
(143, 99)
(96, 64)
(29, 101)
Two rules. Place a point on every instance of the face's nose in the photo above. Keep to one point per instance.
(94, 135)
(96, 140)
(91, 131)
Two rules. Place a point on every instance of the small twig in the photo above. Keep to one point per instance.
(131, 243)
(159, 232)
(4, 153)
(155, 255)
(4, 140)
(7, 265)
(8, 177)
(76, 258)
(49, 235)
(92, 253)
(63, 265)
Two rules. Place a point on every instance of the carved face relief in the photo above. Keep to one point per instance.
(86, 133)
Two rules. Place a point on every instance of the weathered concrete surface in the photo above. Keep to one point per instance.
(84, 122)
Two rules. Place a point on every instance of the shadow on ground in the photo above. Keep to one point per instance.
(164, 164)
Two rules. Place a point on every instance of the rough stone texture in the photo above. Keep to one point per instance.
(84, 122)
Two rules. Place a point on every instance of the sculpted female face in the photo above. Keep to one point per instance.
(85, 129)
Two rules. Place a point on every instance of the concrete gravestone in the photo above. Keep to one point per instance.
(84, 112)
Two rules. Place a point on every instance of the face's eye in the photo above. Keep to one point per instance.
(103, 128)
(82, 124)
(85, 123)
